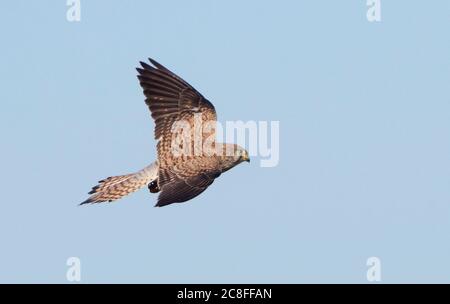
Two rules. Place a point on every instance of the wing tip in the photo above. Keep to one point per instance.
(146, 66)
(156, 65)
(154, 62)
(161, 203)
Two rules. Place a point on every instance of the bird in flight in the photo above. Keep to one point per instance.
(188, 157)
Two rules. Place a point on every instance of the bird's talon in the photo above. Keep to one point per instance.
(153, 186)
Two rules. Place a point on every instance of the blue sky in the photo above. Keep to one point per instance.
(364, 111)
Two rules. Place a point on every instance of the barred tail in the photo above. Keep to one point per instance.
(115, 187)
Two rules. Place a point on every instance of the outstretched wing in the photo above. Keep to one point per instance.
(185, 181)
(172, 100)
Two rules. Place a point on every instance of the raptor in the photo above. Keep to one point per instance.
(180, 172)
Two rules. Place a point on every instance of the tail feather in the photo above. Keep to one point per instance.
(116, 187)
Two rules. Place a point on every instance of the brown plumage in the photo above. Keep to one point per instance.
(178, 178)
(115, 187)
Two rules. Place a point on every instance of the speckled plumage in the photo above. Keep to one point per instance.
(178, 177)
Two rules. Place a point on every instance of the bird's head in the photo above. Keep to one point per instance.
(241, 154)
(233, 156)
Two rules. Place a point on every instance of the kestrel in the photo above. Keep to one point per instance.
(188, 159)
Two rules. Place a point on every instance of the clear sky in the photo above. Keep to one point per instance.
(364, 170)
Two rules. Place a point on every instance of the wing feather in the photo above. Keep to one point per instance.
(165, 90)
(170, 100)
(180, 190)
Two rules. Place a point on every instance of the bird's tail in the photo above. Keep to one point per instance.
(115, 187)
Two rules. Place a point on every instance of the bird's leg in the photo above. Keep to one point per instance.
(153, 186)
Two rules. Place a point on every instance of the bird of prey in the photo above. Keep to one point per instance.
(177, 176)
